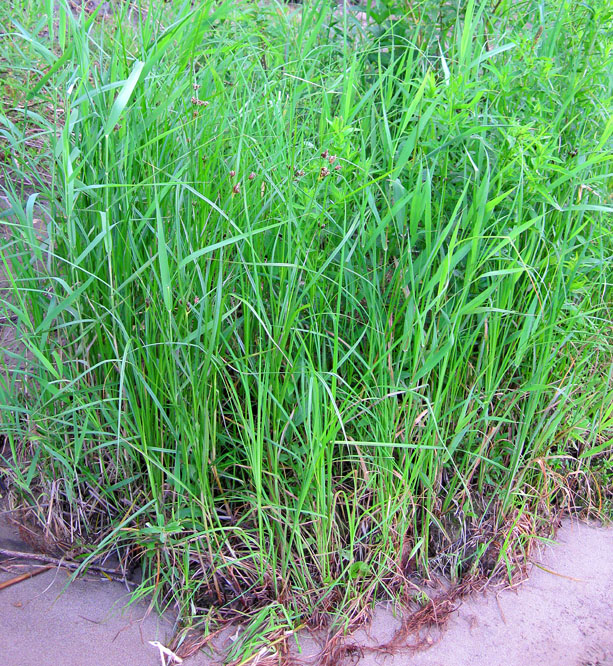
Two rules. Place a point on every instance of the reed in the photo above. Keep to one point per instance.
(316, 307)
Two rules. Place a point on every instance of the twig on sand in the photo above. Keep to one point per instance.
(555, 573)
(39, 557)
(25, 576)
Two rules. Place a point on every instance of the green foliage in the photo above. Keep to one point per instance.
(310, 307)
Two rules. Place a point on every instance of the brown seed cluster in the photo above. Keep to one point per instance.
(236, 188)
(324, 172)
(331, 159)
(199, 102)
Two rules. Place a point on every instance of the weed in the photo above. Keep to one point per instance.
(312, 315)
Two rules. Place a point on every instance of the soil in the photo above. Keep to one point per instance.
(561, 615)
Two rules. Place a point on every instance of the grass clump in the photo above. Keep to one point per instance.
(315, 308)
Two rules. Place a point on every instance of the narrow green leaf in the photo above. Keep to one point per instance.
(123, 97)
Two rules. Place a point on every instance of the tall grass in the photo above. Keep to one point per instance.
(314, 310)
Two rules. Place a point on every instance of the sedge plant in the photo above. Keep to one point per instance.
(306, 308)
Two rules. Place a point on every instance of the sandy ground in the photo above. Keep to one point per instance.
(43, 623)
(561, 617)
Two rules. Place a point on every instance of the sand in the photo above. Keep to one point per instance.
(44, 623)
(562, 618)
